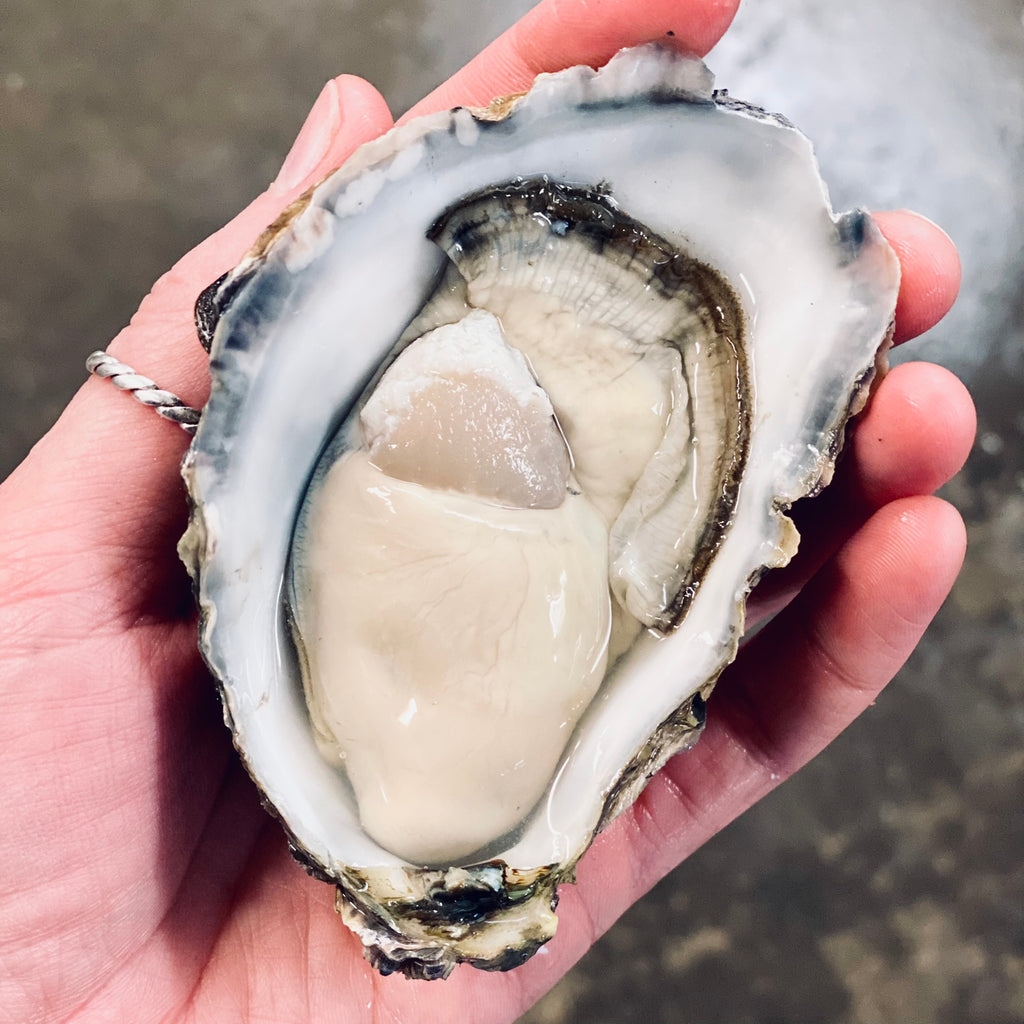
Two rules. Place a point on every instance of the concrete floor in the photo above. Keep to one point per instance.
(886, 881)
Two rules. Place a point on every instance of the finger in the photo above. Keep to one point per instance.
(792, 690)
(348, 112)
(809, 673)
(931, 271)
(161, 336)
(914, 436)
(108, 454)
(557, 34)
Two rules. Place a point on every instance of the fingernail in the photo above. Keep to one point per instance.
(313, 141)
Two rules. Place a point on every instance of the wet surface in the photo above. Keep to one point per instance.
(885, 881)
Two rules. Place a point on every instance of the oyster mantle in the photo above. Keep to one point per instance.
(306, 321)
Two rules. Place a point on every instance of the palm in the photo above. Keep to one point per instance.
(141, 878)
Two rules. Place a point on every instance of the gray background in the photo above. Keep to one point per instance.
(886, 881)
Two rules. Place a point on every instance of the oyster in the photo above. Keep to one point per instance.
(505, 418)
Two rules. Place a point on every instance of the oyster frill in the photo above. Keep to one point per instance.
(505, 418)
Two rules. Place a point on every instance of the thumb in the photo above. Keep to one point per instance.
(161, 336)
(123, 460)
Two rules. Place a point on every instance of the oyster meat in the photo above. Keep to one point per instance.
(506, 415)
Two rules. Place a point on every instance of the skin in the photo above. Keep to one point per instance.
(140, 879)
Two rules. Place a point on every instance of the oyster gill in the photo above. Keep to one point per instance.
(334, 291)
(418, 612)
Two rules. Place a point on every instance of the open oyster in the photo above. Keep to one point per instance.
(505, 418)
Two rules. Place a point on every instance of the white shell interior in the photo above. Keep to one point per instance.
(733, 187)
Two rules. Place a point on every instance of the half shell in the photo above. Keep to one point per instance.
(646, 152)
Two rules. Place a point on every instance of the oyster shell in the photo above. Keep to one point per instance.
(656, 262)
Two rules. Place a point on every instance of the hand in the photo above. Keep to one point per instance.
(140, 878)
